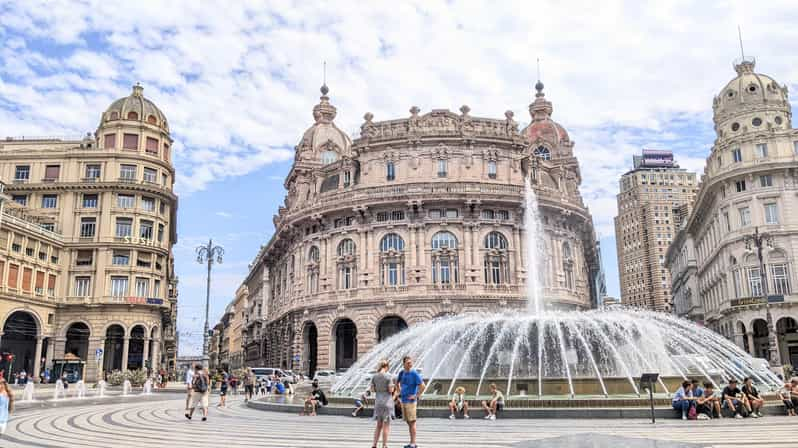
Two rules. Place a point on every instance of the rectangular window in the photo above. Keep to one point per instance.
(49, 201)
(22, 172)
(347, 178)
(492, 169)
(130, 141)
(84, 258)
(435, 213)
(118, 286)
(51, 284)
(745, 216)
(771, 214)
(766, 180)
(82, 286)
(504, 215)
(795, 146)
(781, 279)
(166, 152)
(390, 170)
(21, 199)
(125, 201)
(150, 175)
(48, 226)
(727, 221)
(27, 275)
(148, 204)
(397, 215)
(124, 227)
(383, 216)
(156, 288)
(52, 172)
(737, 155)
(488, 214)
(754, 282)
(127, 172)
(393, 274)
(110, 141)
(761, 150)
(13, 275)
(145, 229)
(451, 213)
(160, 233)
(144, 260)
(39, 286)
(121, 258)
(152, 145)
(740, 185)
(90, 201)
(88, 227)
(442, 168)
(92, 172)
(142, 287)
(738, 288)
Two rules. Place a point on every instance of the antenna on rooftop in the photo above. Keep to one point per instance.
(324, 79)
(740, 36)
(538, 69)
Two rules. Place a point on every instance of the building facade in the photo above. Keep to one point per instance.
(86, 265)
(416, 218)
(648, 203)
(749, 185)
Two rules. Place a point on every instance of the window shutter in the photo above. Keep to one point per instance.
(13, 275)
(2, 271)
(130, 141)
(52, 171)
(110, 141)
(152, 145)
(39, 280)
(27, 273)
(51, 284)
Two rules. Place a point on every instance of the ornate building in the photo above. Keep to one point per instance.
(649, 201)
(86, 267)
(749, 184)
(418, 217)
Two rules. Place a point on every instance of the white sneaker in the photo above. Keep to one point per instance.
(759, 413)
(451, 417)
(684, 417)
(493, 417)
(354, 414)
(738, 416)
(754, 415)
(703, 417)
(487, 417)
(466, 417)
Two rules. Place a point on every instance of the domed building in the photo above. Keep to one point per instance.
(87, 277)
(748, 189)
(415, 218)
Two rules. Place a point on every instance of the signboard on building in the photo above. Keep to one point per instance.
(745, 301)
(144, 300)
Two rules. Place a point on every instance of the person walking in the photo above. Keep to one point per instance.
(383, 386)
(189, 379)
(199, 393)
(411, 386)
(223, 387)
(248, 385)
(6, 404)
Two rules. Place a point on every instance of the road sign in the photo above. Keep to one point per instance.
(98, 353)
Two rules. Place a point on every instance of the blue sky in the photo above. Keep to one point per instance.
(238, 81)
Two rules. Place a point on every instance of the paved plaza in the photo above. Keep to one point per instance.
(159, 421)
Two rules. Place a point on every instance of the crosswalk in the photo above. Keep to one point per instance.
(161, 423)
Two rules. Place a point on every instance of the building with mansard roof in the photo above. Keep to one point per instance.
(415, 218)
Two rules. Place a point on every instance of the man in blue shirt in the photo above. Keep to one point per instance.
(411, 386)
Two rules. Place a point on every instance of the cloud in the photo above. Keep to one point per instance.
(224, 214)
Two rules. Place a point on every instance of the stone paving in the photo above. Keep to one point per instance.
(160, 422)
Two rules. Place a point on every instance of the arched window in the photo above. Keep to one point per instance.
(496, 266)
(346, 248)
(114, 115)
(313, 270)
(328, 157)
(390, 170)
(392, 241)
(132, 116)
(444, 258)
(152, 120)
(542, 152)
(313, 254)
(392, 261)
(567, 265)
(444, 240)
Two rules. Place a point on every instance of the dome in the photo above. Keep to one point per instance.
(136, 107)
(748, 92)
(324, 131)
(542, 126)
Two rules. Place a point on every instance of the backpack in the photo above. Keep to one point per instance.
(323, 398)
(200, 384)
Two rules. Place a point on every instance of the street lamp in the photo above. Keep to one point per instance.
(758, 240)
(208, 254)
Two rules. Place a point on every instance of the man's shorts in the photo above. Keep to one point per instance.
(222, 392)
(409, 412)
(199, 398)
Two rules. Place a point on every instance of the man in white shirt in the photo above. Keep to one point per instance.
(189, 379)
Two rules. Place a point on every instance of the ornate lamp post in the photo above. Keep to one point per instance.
(757, 240)
(208, 254)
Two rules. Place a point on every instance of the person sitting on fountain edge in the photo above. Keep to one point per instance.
(683, 399)
(458, 404)
(786, 398)
(752, 395)
(496, 403)
(707, 404)
(697, 389)
(735, 401)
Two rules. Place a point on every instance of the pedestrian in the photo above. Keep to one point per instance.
(6, 404)
(752, 395)
(458, 404)
(189, 379)
(224, 383)
(735, 401)
(411, 386)
(199, 392)
(786, 398)
(496, 403)
(269, 383)
(383, 386)
(315, 400)
(360, 402)
(248, 385)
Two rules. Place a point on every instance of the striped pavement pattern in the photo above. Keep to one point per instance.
(162, 424)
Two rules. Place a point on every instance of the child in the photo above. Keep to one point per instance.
(6, 404)
(458, 404)
(360, 403)
(268, 386)
(784, 394)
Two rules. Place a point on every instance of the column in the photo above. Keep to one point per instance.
(156, 356)
(361, 269)
(467, 264)
(145, 354)
(517, 252)
(48, 362)
(37, 359)
(125, 348)
(94, 365)
(739, 339)
(412, 242)
(751, 348)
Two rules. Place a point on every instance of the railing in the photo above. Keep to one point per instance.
(32, 227)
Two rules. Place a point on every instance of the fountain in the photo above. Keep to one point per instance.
(27, 393)
(80, 389)
(126, 388)
(599, 353)
(147, 389)
(59, 389)
(101, 385)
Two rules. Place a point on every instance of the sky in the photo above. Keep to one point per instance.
(238, 81)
